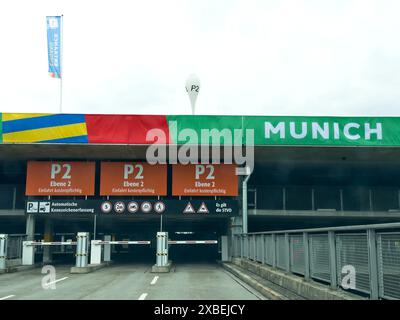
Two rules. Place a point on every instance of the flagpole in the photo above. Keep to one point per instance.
(61, 59)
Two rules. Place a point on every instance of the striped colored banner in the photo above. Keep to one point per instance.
(199, 129)
(49, 128)
(1, 127)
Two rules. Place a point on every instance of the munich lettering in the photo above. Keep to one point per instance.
(323, 131)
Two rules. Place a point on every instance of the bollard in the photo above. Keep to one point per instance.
(162, 249)
(3, 251)
(82, 247)
(107, 249)
(95, 252)
(28, 253)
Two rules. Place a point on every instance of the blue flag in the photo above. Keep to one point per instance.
(54, 45)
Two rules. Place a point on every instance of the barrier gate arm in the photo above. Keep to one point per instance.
(28, 249)
(42, 243)
(192, 241)
(96, 247)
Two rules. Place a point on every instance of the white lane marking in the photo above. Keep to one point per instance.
(154, 280)
(58, 280)
(143, 296)
(6, 297)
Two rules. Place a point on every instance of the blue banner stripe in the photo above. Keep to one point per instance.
(53, 120)
(77, 139)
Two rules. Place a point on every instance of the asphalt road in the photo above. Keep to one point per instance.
(129, 281)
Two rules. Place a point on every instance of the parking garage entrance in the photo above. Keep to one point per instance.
(194, 227)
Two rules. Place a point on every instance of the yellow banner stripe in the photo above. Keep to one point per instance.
(17, 116)
(67, 131)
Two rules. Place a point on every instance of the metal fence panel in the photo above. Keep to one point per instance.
(319, 257)
(14, 247)
(352, 250)
(281, 252)
(297, 263)
(269, 248)
(389, 265)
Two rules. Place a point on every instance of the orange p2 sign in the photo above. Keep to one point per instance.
(60, 178)
(133, 178)
(204, 180)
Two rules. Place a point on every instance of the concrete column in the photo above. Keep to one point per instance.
(48, 237)
(224, 248)
(107, 249)
(30, 227)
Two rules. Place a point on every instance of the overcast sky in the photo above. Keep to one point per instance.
(262, 57)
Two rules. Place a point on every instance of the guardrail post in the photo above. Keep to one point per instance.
(28, 253)
(274, 250)
(306, 256)
(263, 249)
(3, 251)
(332, 258)
(254, 248)
(287, 251)
(248, 244)
(241, 246)
(373, 264)
(95, 252)
(82, 246)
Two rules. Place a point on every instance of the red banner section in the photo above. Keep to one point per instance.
(204, 180)
(129, 129)
(54, 178)
(133, 178)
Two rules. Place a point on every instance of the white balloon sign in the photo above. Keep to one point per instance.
(193, 88)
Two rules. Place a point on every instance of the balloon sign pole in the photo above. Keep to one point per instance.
(192, 88)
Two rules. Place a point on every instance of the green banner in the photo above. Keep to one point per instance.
(321, 131)
(212, 130)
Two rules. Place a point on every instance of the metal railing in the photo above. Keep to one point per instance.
(14, 246)
(325, 198)
(368, 253)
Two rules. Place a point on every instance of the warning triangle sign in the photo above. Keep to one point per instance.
(189, 208)
(203, 208)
